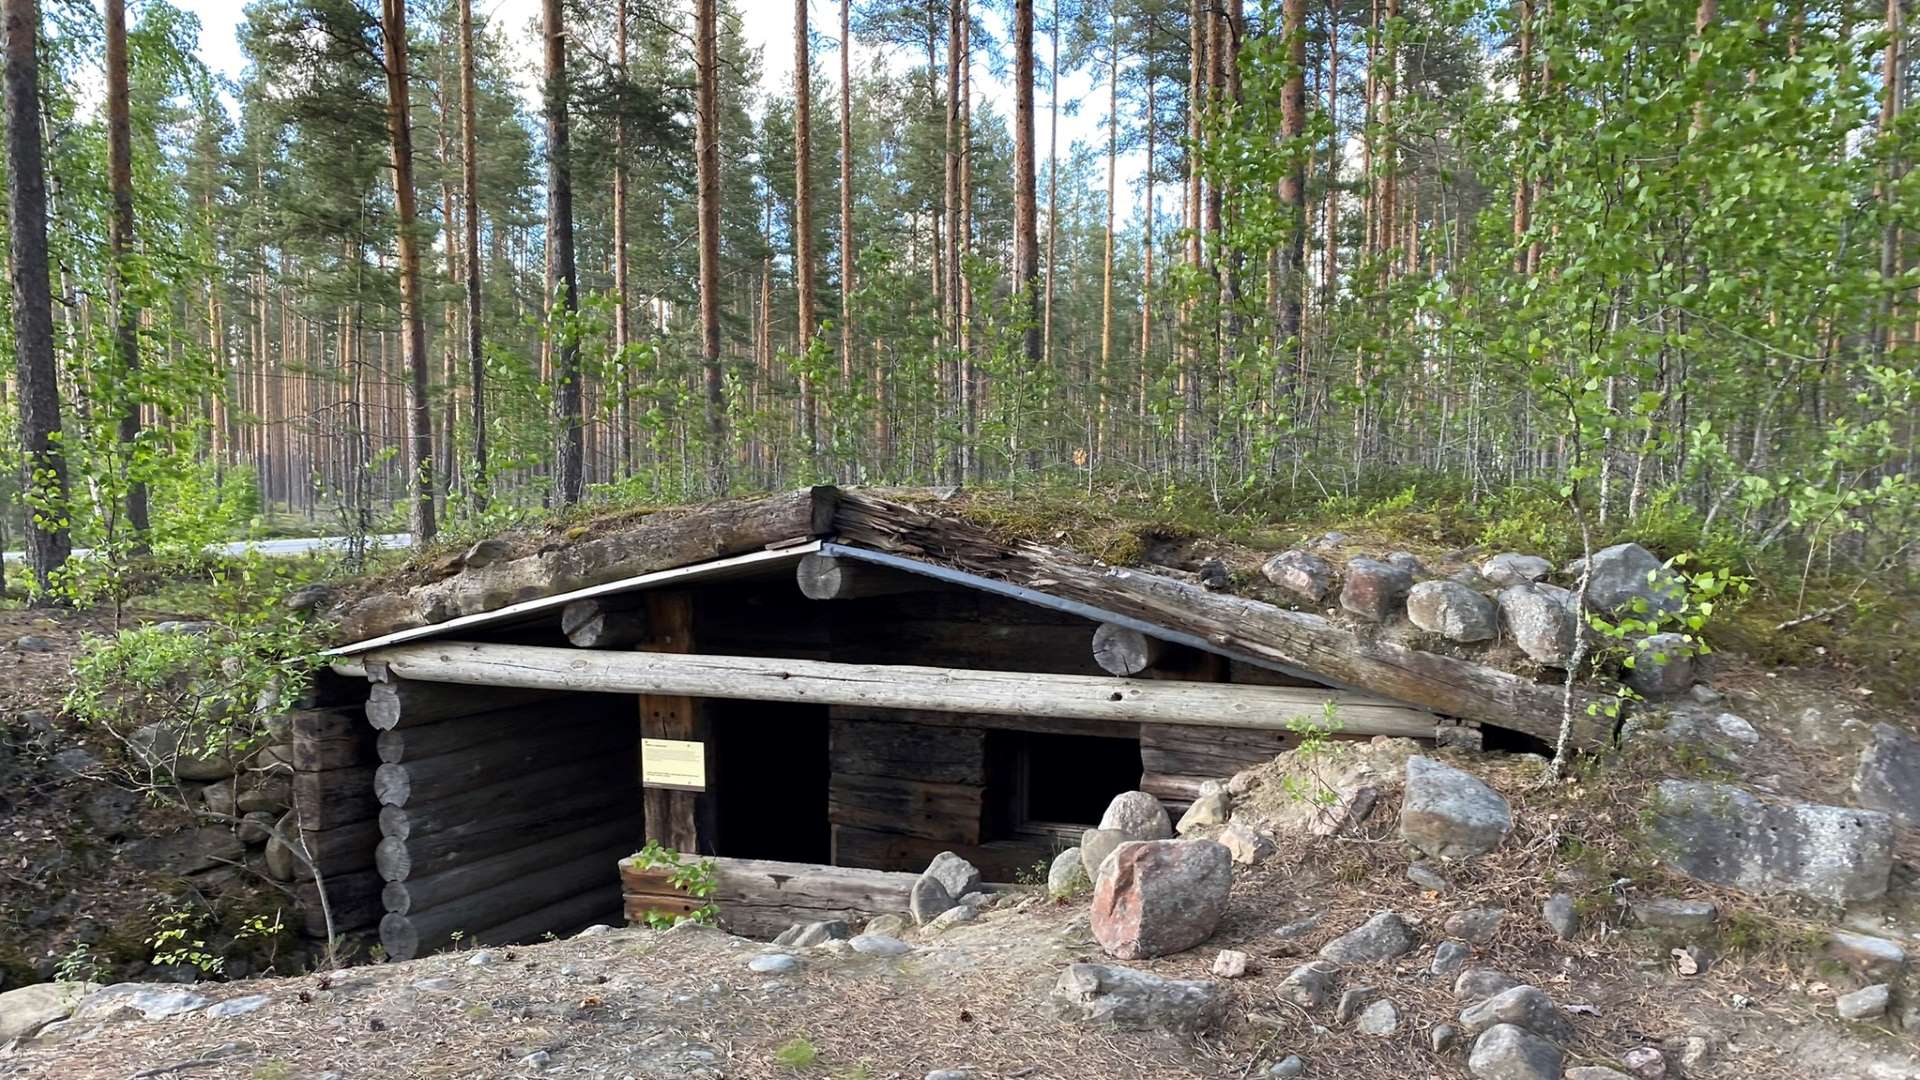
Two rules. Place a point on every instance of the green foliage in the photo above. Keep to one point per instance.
(694, 877)
(796, 1053)
(78, 964)
(180, 937)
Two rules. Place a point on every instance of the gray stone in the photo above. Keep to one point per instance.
(1507, 1052)
(1888, 776)
(872, 944)
(1095, 846)
(1310, 985)
(928, 900)
(1541, 620)
(1442, 1038)
(1287, 1067)
(1513, 568)
(1351, 806)
(27, 1009)
(1067, 876)
(1449, 957)
(75, 763)
(36, 643)
(1722, 834)
(1301, 573)
(282, 861)
(1668, 913)
(1159, 897)
(955, 874)
(1451, 610)
(1527, 1006)
(1475, 984)
(482, 958)
(1380, 1019)
(1874, 957)
(1352, 1000)
(162, 749)
(1735, 727)
(1427, 876)
(1662, 665)
(1374, 590)
(1248, 848)
(240, 1006)
(437, 985)
(1137, 816)
(1448, 813)
(152, 1001)
(1626, 579)
(772, 964)
(809, 934)
(110, 811)
(1230, 964)
(1866, 1004)
(188, 851)
(255, 828)
(951, 1074)
(1595, 1072)
(539, 1059)
(1136, 1000)
(952, 917)
(1206, 811)
(1406, 560)
(1645, 1062)
(889, 925)
(1561, 916)
(1379, 939)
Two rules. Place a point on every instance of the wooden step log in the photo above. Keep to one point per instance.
(609, 622)
(824, 577)
(399, 783)
(426, 740)
(622, 836)
(503, 904)
(761, 897)
(515, 793)
(491, 834)
(401, 702)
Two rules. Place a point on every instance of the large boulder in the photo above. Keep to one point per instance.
(1448, 813)
(27, 1009)
(1374, 590)
(1301, 573)
(1542, 620)
(1157, 897)
(1724, 835)
(1513, 568)
(955, 874)
(125, 1001)
(163, 749)
(1888, 776)
(1136, 1000)
(1067, 875)
(1095, 846)
(1626, 579)
(188, 851)
(1525, 1006)
(1451, 610)
(1139, 816)
(928, 900)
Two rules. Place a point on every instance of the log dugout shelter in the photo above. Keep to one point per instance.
(831, 686)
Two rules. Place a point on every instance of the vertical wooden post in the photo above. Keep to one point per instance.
(673, 816)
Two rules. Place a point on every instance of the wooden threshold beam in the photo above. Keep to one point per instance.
(901, 686)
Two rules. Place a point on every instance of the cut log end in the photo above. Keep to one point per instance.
(398, 938)
(608, 623)
(825, 577)
(1123, 651)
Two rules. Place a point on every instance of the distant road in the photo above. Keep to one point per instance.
(289, 545)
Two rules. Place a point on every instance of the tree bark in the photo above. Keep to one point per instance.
(846, 199)
(1026, 211)
(622, 308)
(707, 182)
(45, 464)
(393, 27)
(478, 482)
(1293, 184)
(803, 222)
(572, 449)
(126, 333)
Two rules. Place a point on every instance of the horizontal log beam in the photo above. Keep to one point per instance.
(444, 849)
(473, 913)
(761, 897)
(900, 686)
(622, 836)
(513, 794)
(403, 703)
(411, 743)
(442, 775)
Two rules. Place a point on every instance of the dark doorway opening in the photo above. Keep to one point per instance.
(769, 792)
(1054, 779)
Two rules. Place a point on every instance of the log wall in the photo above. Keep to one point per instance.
(334, 814)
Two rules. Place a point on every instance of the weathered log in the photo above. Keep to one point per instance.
(559, 712)
(674, 818)
(875, 849)
(326, 723)
(603, 623)
(1050, 648)
(403, 702)
(442, 849)
(1305, 642)
(899, 687)
(442, 775)
(1187, 751)
(516, 792)
(1124, 651)
(823, 577)
(621, 836)
(947, 812)
(333, 752)
(759, 897)
(334, 797)
(635, 907)
(669, 538)
(352, 898)
(943, 755)
(346, 849)
(560, 918)
(470, 914)
(1046, 725)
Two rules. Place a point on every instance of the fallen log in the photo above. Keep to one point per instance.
(1304, 643)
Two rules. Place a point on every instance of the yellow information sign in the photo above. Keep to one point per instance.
(671, 763)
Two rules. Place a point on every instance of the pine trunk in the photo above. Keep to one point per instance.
(570, 466)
